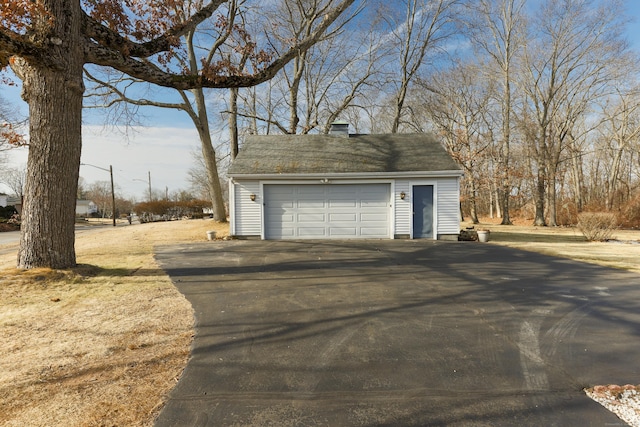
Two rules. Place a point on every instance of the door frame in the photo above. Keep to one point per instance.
(433, 183)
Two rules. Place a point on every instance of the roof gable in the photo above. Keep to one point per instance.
(317, 154)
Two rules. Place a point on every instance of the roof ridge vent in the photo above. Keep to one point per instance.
(339, 128)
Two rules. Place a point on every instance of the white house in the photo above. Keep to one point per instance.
(85, 208)
(341, 186)
(4, 200)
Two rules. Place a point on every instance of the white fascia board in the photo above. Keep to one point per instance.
(347, 175)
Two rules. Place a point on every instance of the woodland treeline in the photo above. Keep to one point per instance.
(538, 101)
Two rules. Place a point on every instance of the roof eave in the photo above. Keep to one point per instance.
(350, 175)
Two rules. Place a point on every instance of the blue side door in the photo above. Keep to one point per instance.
(422, 211)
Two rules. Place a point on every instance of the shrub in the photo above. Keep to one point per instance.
(7, 212)
(629, 215)
(596, 226)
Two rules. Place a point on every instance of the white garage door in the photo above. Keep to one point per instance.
(327, 211)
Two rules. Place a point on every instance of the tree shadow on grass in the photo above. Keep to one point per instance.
(510, 237)
(90, 270)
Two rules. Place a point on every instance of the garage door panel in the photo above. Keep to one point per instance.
(373, 204)
(312, 217)
(342, 217)
(287, 233)
(373, 217)
(313, 232)
(310, 204)
(343, 232)
(344, 204)
(327, 211)
(372, 232)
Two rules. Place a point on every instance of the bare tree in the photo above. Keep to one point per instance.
(497, 29)
(10, 126)
(457, 102)
(574, 55)
(319, 84)
(99, 192)
(15, 179)
(620, 130)
(426, 25)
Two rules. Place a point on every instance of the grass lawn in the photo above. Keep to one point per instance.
(100, 345)
(568, 242)
(104, 343)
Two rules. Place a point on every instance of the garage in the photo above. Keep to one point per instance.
(326, 211)
(344, 186)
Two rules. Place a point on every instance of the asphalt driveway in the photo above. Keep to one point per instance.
(398, 333)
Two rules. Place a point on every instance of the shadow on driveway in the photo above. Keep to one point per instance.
(398, 333)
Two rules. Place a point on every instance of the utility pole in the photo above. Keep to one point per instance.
(113, 196)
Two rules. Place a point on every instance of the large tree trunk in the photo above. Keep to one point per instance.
(215, 189)
(209, 156)
(55, 127)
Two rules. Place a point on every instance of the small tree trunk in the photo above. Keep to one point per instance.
(472, 202)
(233, 121)
(539, 200)
(577, 178)
(490, 204)
(498, 199)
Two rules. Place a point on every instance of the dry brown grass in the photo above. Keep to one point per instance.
(568, 242)
(101, 344)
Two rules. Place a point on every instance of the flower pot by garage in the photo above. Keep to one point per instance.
(483, 236)
(211, 235)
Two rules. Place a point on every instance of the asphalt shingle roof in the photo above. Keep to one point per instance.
(313, 154)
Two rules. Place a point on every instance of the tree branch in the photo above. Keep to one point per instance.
(122, 97)
(116, 42)
(14, 44)
(106, 56)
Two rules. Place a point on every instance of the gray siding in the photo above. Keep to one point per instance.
(247, 213)
(403, 215)
(448, 206)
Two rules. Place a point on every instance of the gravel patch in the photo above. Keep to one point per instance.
(624, 401)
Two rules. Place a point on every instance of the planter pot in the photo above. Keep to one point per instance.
(211, 235)
(483, 236)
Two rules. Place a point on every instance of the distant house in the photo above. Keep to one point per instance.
(341, 186)
(4, 200)
(85, 208)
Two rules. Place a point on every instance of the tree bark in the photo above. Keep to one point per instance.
(504, 151)
(215, 189)
(209, 155)
(54, 96)
(472, 201)
(233, 121)
(539, 199)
